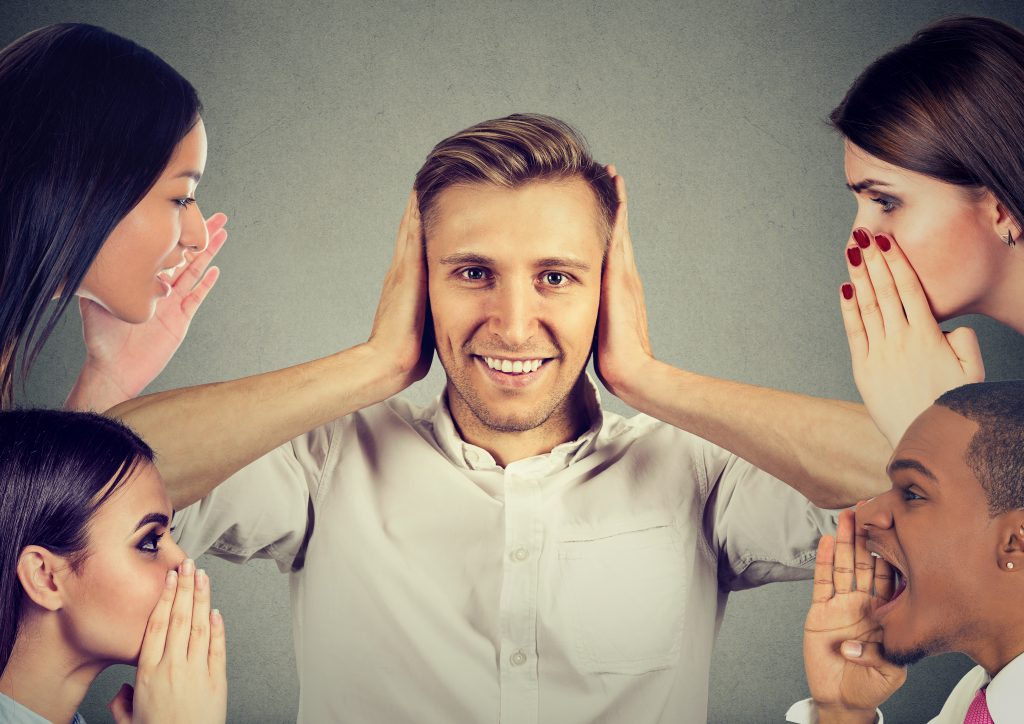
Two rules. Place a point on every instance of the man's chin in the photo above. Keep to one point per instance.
(910, 653)
(903, 657)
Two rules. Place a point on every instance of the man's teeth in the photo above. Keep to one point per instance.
(516, 367)
(875, 555)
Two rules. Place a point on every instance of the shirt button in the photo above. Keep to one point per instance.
(518, 658)
(520, 554)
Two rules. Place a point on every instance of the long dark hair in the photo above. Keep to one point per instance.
(88, 121)
(948, 105)
(56, 469)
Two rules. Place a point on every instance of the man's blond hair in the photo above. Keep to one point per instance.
(510, 152)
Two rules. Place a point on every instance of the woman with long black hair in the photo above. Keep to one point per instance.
(101, 149)
(89, 577)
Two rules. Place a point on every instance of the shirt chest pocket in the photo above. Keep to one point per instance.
(624, 598)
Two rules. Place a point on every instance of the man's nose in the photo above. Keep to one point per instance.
(877, 512)
(514, 312)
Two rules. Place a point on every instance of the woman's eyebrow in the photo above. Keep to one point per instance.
(865, 184)
(153, 518)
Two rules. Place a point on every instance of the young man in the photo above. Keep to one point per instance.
(952, 529)
(512, 552)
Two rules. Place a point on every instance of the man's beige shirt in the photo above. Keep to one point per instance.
(430, 585)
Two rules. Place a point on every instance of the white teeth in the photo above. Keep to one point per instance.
(875, 555)
(515, 367)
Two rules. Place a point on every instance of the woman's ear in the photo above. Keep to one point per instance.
(1004, 225)
(38, 571)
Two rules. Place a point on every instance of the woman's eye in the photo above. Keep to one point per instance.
(554, 279)
(185, 202)
(474, 274)
(888, 205)
(151, 543)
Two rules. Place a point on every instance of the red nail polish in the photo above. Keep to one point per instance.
(847, 291)
(853, 254)
(883, 242)
(862, 238)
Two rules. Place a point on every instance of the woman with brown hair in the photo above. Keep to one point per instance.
(934, 154)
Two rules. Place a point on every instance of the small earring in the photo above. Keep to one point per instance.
(1009, 238)
(1009, 564)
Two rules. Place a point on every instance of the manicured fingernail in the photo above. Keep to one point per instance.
(847, 291)
(201, 579)
(215, 615)
(852, 649)
(862, 238)
(172, 579)
(883, 242)
(188, 567)
(853, 254)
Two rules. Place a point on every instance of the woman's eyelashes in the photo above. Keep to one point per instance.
(150, 543)
(888, 203)
(185, 202)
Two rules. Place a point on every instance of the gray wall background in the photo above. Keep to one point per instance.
(319, 115)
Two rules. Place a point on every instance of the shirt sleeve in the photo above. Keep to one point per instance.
(265, 510)
(761, 529)
(805, 712)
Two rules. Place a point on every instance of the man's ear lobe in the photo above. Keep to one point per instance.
(38, 571)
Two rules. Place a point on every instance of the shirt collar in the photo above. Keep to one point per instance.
(464, 454)
(1003, 694)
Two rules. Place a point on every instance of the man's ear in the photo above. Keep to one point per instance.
(38, 571)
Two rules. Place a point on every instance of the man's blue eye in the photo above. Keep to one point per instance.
(555, 279)
(473, 274)
(909, 494)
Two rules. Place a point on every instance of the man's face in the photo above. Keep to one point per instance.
(514, 281)
(934, 527)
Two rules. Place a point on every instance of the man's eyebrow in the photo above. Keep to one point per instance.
(563, 263)
(466, 258)
(194, 175)
(907, 464)
(153, 518)
(865, 184)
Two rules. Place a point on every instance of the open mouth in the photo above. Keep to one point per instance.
(901, 581)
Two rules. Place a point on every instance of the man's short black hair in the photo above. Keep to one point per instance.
(996, 452)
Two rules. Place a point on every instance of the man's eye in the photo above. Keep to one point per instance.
(554, 279)
(909, 494)
(474, 274)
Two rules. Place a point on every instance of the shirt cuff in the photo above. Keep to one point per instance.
(805, 712)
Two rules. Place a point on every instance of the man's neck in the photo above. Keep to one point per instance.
(44, 676)
(998, 649)
(567, 422)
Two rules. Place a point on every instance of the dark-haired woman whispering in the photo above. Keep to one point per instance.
(101, 149)
(89, 577)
